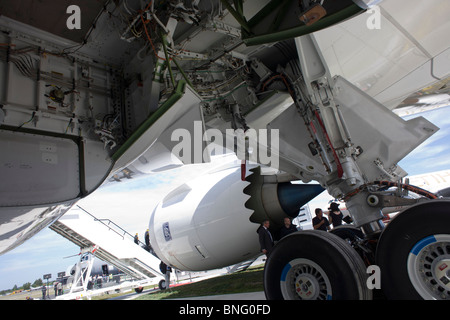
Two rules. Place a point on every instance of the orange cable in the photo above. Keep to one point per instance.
(150, 39)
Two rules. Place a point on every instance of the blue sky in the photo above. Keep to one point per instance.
(434, 153)
(130, 204)
(45, 252)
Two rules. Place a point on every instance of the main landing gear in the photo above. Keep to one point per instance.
(412, 253)
(315, 265)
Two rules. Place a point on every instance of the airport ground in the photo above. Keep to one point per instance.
(249, 281)
(24, 295)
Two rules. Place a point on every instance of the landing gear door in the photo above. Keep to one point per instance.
(384, 137)
(37, 169)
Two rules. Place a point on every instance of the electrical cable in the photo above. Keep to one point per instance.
(149, 38)
(26, 122)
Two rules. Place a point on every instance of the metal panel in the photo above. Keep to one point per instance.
(381, 134)
(36, 169)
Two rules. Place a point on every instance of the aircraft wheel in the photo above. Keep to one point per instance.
(414, 253)
(315, 265)
(139, 289)
(162, 284)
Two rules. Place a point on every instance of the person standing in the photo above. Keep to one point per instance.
(319, 222)
(265, 238)
(44, 291)
(335, 215)
(287, 228)
(55, 287)
(147, 238)
(59, 287)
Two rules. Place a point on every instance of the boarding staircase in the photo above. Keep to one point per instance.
(242, 266)
(110, 242)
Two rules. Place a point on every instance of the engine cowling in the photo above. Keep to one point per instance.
(204, 224)
(274, 197)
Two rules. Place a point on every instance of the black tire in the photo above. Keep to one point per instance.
(348, 232)
(162, 284)
(139, 289)
(405, 242)
(339, 272)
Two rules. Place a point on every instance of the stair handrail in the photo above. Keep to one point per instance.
(115, 224)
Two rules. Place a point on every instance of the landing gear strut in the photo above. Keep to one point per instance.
(342, 122)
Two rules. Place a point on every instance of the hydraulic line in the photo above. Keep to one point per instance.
(408, 187)
(310, 126)
(336, 158)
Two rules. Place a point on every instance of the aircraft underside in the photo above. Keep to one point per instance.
(153, 85)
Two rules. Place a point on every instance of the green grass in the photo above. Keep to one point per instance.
(250, 280)
(246, 281)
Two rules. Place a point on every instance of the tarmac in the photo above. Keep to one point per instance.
(238, 296)
(259, 295)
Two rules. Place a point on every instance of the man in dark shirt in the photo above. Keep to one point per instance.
(287, 228)
(319, 222)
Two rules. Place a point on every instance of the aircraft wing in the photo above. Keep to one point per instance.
(389, 55)
(92, 90)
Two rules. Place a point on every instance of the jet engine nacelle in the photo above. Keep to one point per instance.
(204, 224)
(274, 197)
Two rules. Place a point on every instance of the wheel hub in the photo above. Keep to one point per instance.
(429, 267)
(306, 287)
(305, 280)
(442, 272)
